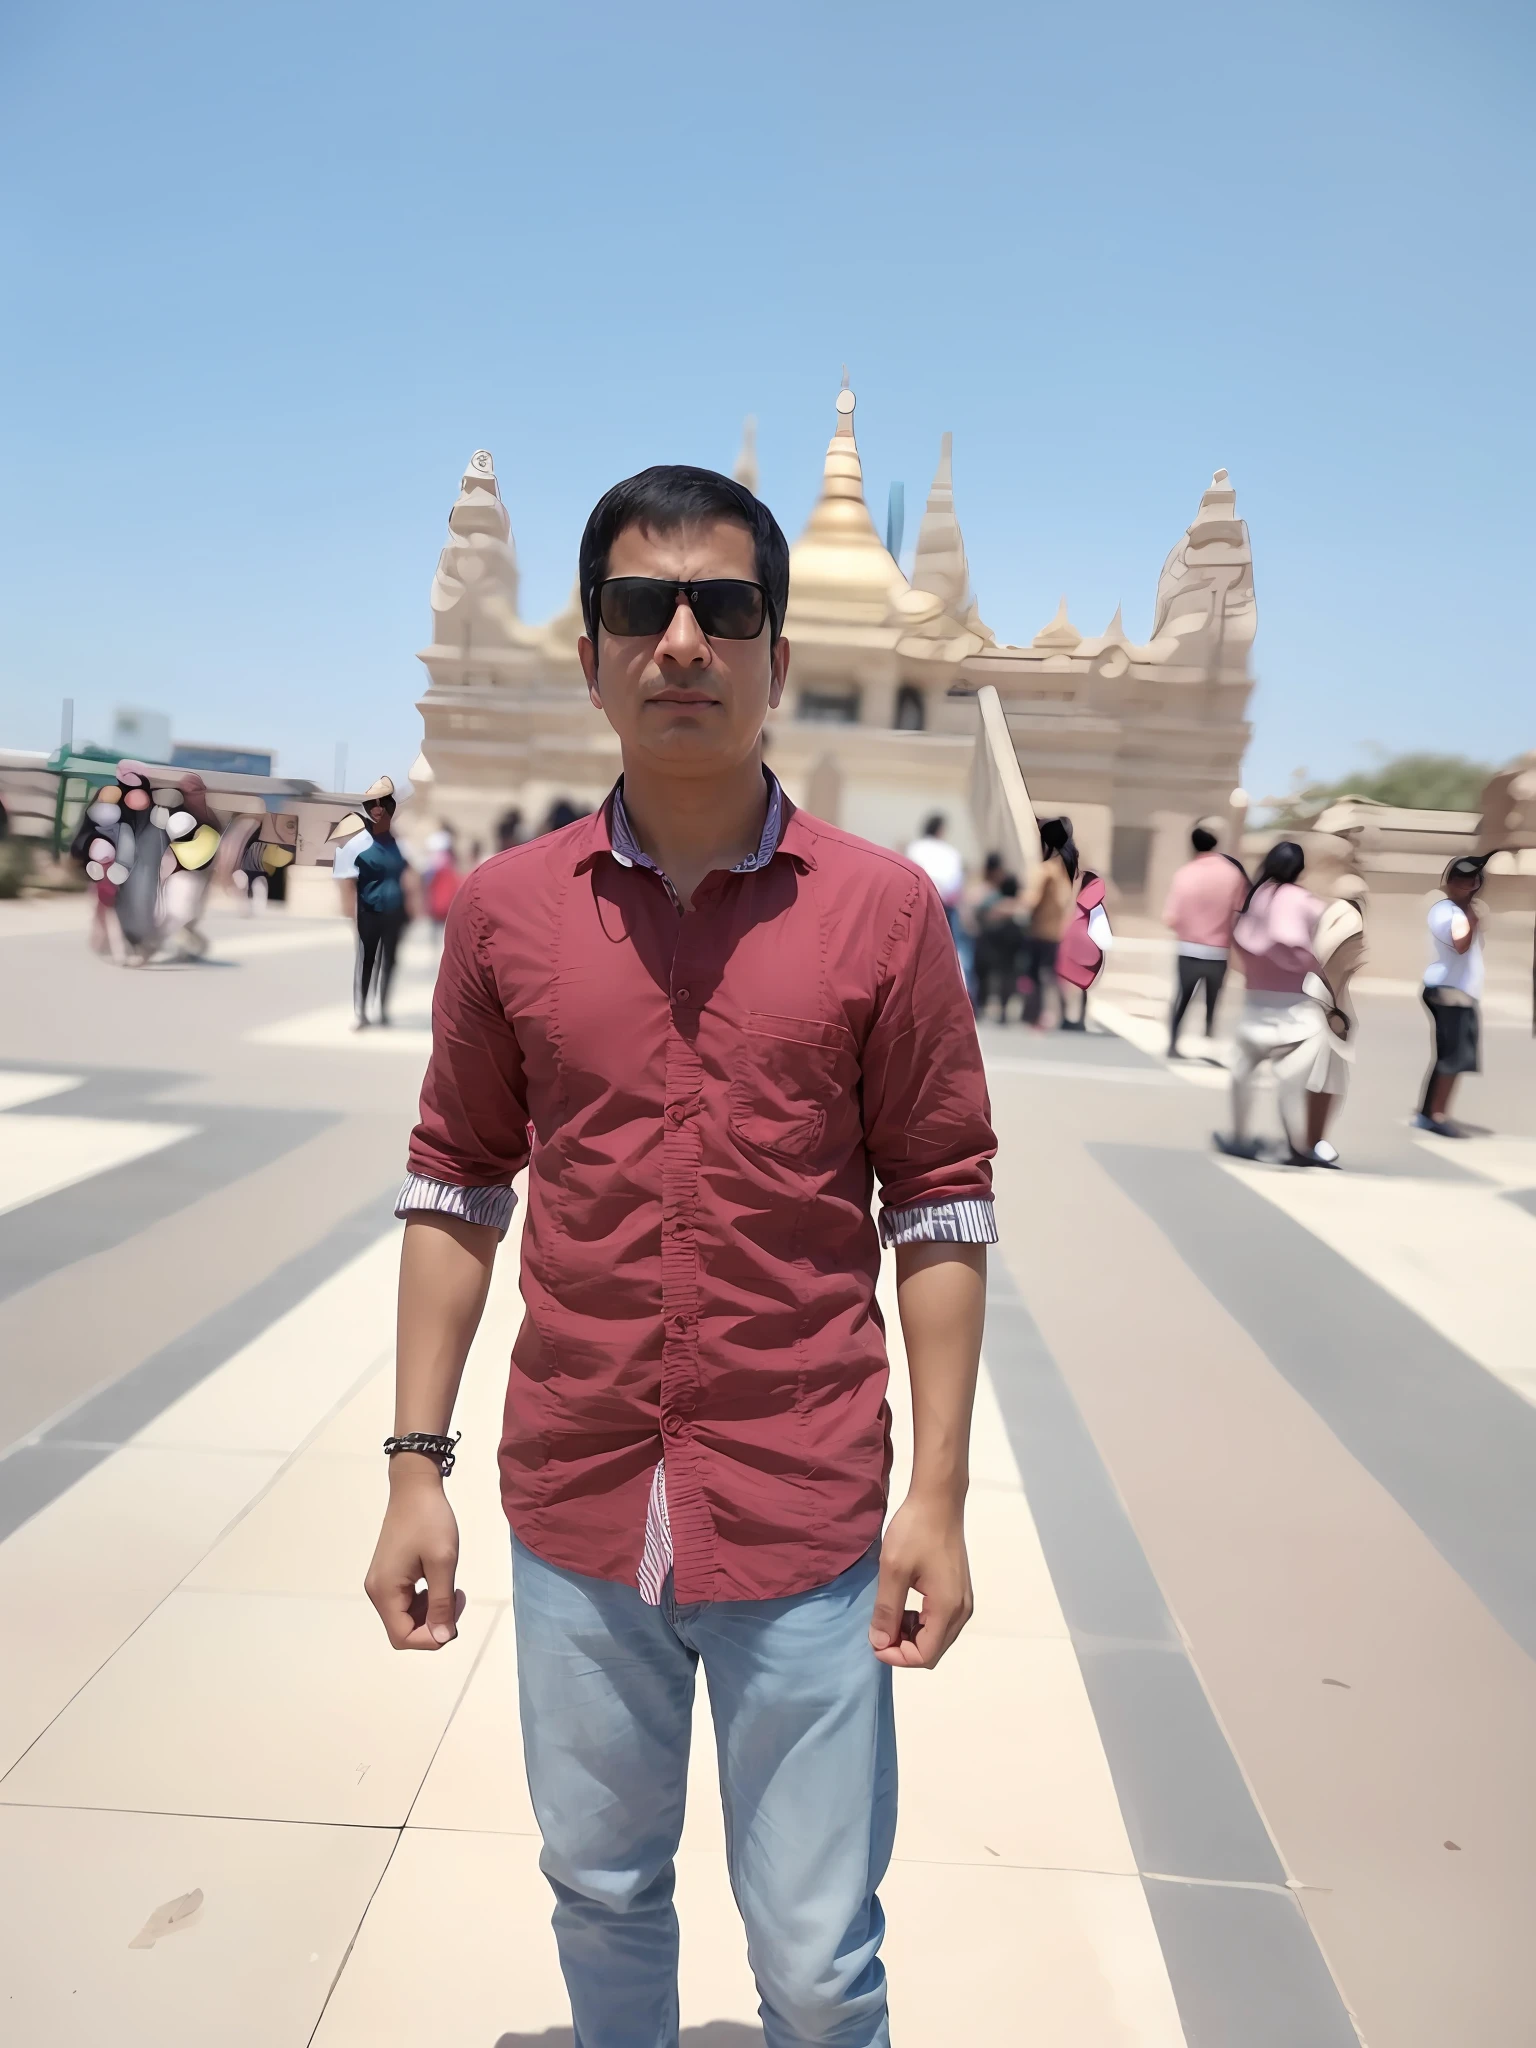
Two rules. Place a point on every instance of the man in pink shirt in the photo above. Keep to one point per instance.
(1204, 899)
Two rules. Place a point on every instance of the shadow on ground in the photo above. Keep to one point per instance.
(718, 2034)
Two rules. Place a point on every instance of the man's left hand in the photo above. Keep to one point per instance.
(923, 1552)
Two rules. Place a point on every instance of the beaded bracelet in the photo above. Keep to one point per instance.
(439, 1447)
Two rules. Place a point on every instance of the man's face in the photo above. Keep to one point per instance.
(689, 705)
(1462, 888)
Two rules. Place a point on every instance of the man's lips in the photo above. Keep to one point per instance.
(685, 699)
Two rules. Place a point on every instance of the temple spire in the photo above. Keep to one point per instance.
(842, 476)
(1060, 633)
(939, 565)
(745, 471)
(474, 593)
(839, 560)
(1205, 599)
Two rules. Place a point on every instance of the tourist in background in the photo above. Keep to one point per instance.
(1048, 906)
(442, 880)
(1204, 900)
(999, 942)
(1082, 949)
(562, 812)
(509, 832)
(1453, 988)
(1339, 946)
(184, 892)
(378, 887)
(1281, 1026)
(943, 866)
(979, 891)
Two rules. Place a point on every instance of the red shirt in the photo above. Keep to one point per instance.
(709, 1100)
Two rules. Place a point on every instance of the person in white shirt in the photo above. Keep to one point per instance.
(942, 864)
(1453, 986)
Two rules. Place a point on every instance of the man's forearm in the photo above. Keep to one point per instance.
(940, 1293)
(445, 1274)
(941, 1296)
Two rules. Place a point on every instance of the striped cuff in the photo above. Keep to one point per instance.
(471, 1205)
(969, 1221)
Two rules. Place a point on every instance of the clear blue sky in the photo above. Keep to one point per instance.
(273, 271)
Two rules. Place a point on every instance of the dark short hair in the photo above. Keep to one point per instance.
(933, 825)
(1467, 867)
(1202, 840)
(670, 495)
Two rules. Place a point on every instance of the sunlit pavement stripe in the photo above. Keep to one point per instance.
(42, 1467)
(1458, 1253)
(41, 1155)
(1243, 1962)
(1455, 1447)
(17, 1088)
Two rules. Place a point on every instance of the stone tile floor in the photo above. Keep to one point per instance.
(228, 1813)
(210, 1708)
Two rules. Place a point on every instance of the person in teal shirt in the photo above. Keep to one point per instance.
(378, 887)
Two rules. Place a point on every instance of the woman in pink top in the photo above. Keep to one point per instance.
(1281, 1024)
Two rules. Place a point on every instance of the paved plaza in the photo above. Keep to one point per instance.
(1237, 1752)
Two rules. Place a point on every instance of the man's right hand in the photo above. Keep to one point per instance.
(419, 1540)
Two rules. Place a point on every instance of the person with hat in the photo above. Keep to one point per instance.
(378, 892)
(1453, 987)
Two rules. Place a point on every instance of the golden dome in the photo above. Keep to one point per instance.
(839, 568)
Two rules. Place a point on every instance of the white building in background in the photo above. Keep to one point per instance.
(1135, 741)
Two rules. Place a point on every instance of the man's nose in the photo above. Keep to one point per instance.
(682, 642)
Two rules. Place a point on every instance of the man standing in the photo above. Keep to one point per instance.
(377, 887)
(1453, 988)
(708, 1024)
(942, 864)
(1204, 900)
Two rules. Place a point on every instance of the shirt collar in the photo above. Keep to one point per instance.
(779, 822)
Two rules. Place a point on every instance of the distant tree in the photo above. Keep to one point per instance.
(1417, 782)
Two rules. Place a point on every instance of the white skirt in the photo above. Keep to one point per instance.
(1279, 1024)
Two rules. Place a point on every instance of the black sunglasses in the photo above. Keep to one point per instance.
(642, 607)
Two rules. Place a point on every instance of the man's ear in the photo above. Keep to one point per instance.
(779, 673)
(586, 654)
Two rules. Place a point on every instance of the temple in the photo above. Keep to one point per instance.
(878, 724)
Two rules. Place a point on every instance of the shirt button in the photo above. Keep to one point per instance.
(681, 996)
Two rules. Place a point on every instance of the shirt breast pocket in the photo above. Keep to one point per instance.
(793, 1078)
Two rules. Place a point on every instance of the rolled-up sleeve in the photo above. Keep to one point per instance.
(927, 1120)
(472, 1135)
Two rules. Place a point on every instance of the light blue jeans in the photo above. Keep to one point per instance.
(807, 1753)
